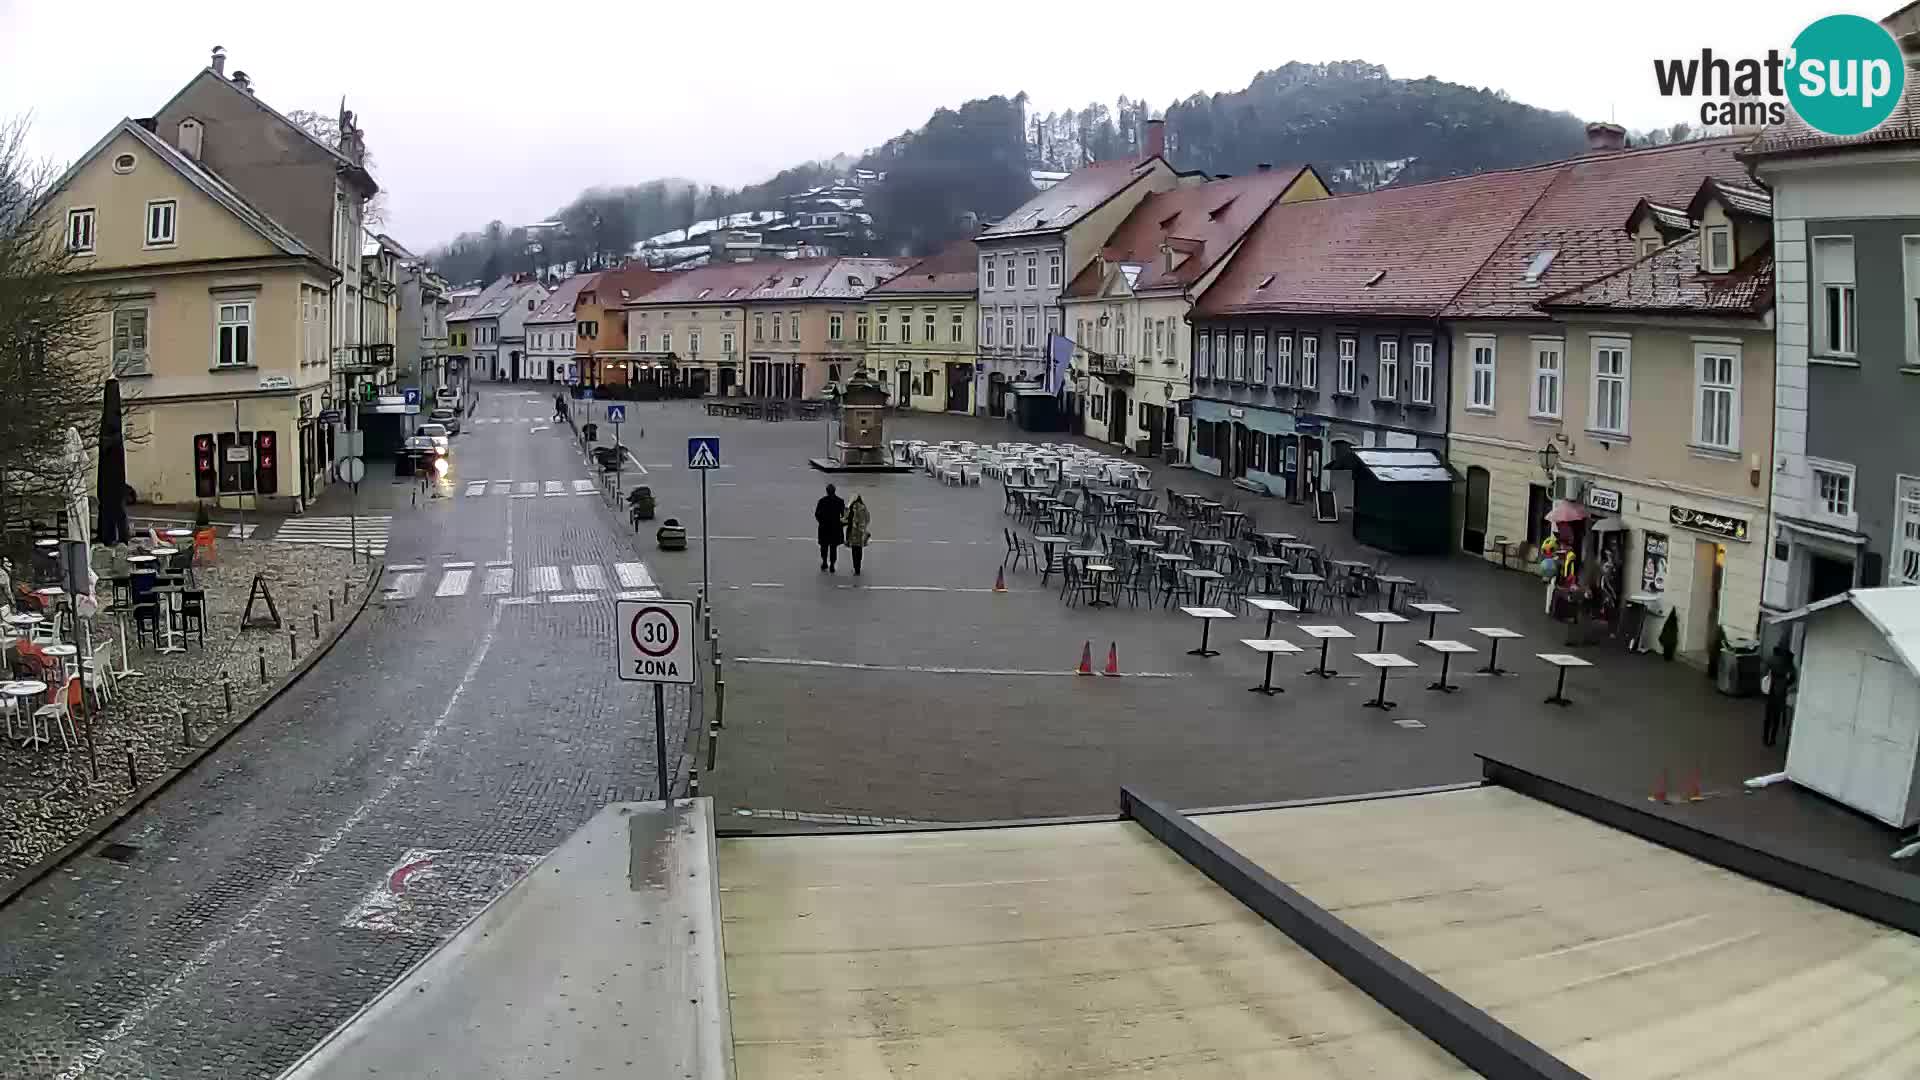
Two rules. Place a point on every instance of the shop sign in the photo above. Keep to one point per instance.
(275, 382)
(1236, 414)
(306, 406)
(1723, 525)
(1653, 567)
(1606, 499)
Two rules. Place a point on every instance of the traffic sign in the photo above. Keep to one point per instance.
(411, 395)
(655, 641)
(353, 469)
(330, 416)
(703, 452)
(616, 414)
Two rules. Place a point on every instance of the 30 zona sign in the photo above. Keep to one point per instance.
(655, 641)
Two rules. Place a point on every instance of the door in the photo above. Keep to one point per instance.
(1539, 502)
(1117, 408)
(1151, 427)
(904, 380)
(1473, 538)
(1882, 769)
(1703, 598)
(960, 388)
(1242, 450)
(1827, 577)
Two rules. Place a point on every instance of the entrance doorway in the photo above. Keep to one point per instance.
(1479, 492)
(1243, 437)
(1539, 503)
(996, 394)
(1827, 577)
(959, 388)
(1703, 598)
(1117, 410)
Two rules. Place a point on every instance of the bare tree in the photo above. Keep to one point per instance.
(327, 130)
(50, 321)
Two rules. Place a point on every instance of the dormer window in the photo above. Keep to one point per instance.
(1719, 249)
(1539, 265)
(1647, 245)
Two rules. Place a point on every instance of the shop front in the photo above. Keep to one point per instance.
(1402, 499)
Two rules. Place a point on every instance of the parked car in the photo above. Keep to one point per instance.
(436, 432)
(446, 417)
(422, 455)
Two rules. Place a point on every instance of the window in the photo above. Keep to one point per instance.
(833, 326)
(1422, 373)
(1146, 338)
(666, 341)
(957, 328)
(1480, 371)
(929, 326)
(906, 327)
(160, 221)
(880, 330)
(987, 266)
(693, 343)
(1646, 246)
(1222, 359)
(80, 230)
(1202, 360)
(1719, 249)
(1347, 369)
(1006, 328)
(1006, 268)
(759, 328)
(640, 342)
(1832, 490)
(1120, 337)
(1310, 363)
(860, 327)
(1611, 370)
(1283, 359)
(1544, 402)
(234, 344)
(986, 328)
(1240, 357)
(1053, 268)
(1260, 359)
(1096, 406)
(1033, 269)
(1203, 434)
(1833, 277)
(1387, 383)
(1033, 330)
(726, 343)
(776, 328)
(130, 341)
(793, 326)
(1912, 252)
(1906, 536)
(1716, 398)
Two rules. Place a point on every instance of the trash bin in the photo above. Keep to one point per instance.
(590, 432)
(1741, 666)
(671, 536)
(608, 458)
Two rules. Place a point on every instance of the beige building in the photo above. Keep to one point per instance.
(918, 331)
(215, 318)
(1126, 310)
(690, 325)
(1653, 387)
(803, 323)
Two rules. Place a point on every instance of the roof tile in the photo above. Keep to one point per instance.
(1670, 282)
(1211, 217)
(1068, 201)
(1796, 137)
(954, 270)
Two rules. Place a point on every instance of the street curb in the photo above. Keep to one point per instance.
(11, 889)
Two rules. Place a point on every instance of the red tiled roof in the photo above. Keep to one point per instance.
(822, 279)
(954, 270)
(1734, 198)
(616, 287)
(1210, 218)
(721, 283)
(1319, 255)
(1071, 199)
(558, 307)
(1795, 137)
(1578, 217)
(1670, 282)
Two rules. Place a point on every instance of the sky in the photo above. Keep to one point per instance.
(485, 110)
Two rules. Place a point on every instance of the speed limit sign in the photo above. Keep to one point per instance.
(655, 641)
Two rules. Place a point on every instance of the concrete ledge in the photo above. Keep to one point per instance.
(829, 465)
(25, 879)
(605, 959)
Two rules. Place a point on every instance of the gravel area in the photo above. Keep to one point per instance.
(49, 795)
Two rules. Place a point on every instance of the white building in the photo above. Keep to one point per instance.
(550, 333)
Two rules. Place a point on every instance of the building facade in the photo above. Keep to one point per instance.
(1846, 456)
(422, 345)
(215, 319)
(602, 352)
(802, 318)
(552, 331)
(926, 357)
(690, 328)
(1126, 310)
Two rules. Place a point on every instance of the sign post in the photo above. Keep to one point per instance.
(617, 415)
(655, 645)
(703, 455)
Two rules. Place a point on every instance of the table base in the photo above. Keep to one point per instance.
(1323, 670)
(167, 650)
(1493, 661)
(1560, 691)
(1442, 685)
(1380, 699)
(1266, 681)
(1206, 628)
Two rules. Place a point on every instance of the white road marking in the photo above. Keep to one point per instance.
(787, 661)
(457, 566)
(404, 586)
(476, 488)
(573, 598)
(633, 575)
(397, 567)
(516, 600)
(159, 995)
(545, 579)
(526, 487)
(454, 583)
(499, 562)
(639, 594)
(583, 487)
(554, 488)
(499, 580)
(588, 576)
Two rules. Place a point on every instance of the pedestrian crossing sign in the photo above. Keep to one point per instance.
(616, 414)
(703, 452)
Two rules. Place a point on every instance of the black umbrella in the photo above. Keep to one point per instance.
(112, 496)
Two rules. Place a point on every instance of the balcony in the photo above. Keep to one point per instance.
(366, 359)
(1108, 365)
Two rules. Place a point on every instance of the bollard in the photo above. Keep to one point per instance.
(713, 743)
(226, 687)
(316, 622)
(262, 651)
(693, 783)
(720, 703)
(186, 731)
(330, 614)
(133, 775)
(293, 646)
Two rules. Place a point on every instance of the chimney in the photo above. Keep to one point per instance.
(240, 80)
(219, 61)
(1156, 138)
(1603, 137)
(1265, 166)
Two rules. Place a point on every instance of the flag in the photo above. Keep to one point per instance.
(1059, 357)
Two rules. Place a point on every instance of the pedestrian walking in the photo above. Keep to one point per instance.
(1781, 677)
(858, 521)
(830, 514)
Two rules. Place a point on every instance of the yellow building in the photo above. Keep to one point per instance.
(918, 328)
(215, 317)
(802, 321)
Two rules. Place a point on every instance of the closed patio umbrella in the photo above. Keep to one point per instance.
(112, 488)
(1565, 511)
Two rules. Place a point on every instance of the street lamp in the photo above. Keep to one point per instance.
(1549, 458)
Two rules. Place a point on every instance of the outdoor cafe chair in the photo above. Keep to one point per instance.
(1172, 585)
(60, 714)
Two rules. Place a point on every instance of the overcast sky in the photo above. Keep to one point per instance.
(482, 110)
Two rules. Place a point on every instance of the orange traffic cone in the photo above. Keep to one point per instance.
(1113, 659)
(1000, 580)
(1693, 786)
(1086, 660)
(1660, 790)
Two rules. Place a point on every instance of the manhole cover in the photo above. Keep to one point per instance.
(118, 852)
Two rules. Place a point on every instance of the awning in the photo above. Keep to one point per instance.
(1399, 466)
(1831, 533)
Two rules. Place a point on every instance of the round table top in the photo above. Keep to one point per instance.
(23, 688)
(1168, 529)
(46, 543)
(178, 532)
(25, 619)
(165, 551)
(51, 590)
(59, 650)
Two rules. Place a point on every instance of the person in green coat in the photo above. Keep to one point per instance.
(858, 521)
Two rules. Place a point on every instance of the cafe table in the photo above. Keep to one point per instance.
(1206, 615)
(1495, 634)
(1380, 619)
(1325, 635)
(1447, 650)
(1393, 583)
(1383, 663)
(1267, 564)
(1270, 646)
(20, 692)
(1560, 663)
(1046, 553)
(1203, 580)
(1433, 611)
(1272, 607)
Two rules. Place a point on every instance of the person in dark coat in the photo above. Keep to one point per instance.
(1780, 679)
(828, 514)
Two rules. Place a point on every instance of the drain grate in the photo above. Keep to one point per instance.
(119, 853)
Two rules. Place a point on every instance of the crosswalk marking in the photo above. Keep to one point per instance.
(633, 575)
(499, 580)
(554, 488)
(638, 594)
(588, 576)
(573, 598)
(457, 566)
(368, 533)
(545, 579)
(476, 487)
(405, 585)
(454, 583)
(583, 487)
(526, 487)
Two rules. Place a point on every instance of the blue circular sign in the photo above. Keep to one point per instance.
(1847, 75)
